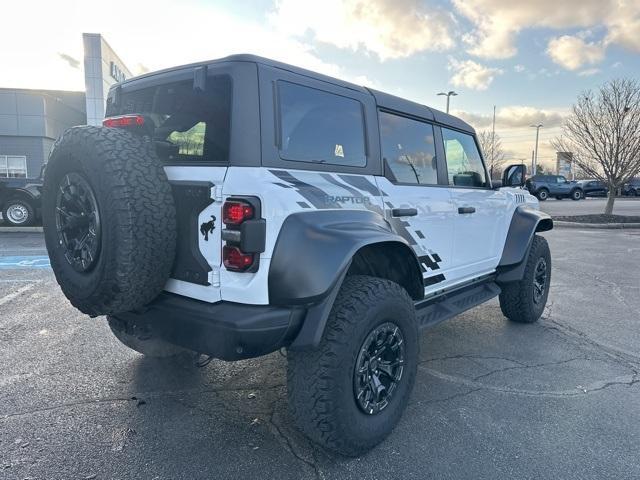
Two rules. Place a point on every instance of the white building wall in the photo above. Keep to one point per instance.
(99, 74)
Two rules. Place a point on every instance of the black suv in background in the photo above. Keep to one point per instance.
(593, 188)
(545, 186)
(632, 189)
(20, 200)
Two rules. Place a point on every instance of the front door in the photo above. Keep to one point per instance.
(480, 211)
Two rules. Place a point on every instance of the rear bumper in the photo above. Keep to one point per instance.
(225, 330)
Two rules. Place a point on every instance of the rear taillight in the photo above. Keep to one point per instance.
(244, 234)
(124, 121)
(236, 212)
(235, 259)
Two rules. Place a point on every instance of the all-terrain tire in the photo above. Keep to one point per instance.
(143, 341)
(577, 194)
(137, 219)
(18, 213)
(320, 382)
(543, 194)
(518, 301)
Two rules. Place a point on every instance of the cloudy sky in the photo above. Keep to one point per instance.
(529, 58)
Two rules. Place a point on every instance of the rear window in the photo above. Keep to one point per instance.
(320, 127)
(188, 125)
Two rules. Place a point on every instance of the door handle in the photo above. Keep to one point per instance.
(404, 212)
(463, 210)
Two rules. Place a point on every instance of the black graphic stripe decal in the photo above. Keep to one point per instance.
(430, 263)
(434, 279)
(362, 183)
(369, 205)
(316, 196)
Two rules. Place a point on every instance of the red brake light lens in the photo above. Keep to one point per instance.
(234, 212)
(236, 260)
(124, 121)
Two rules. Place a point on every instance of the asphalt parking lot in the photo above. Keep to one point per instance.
(557, 399)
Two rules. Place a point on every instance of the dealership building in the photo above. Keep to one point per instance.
(31, 120)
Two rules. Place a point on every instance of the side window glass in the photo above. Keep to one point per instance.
(320, 127)
(464, 164)
(408, 147)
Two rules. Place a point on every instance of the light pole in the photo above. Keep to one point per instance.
(448, 94)
(535, 156)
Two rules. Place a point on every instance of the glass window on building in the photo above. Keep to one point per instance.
(13, 166)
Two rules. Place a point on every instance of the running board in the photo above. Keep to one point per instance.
(431, 312)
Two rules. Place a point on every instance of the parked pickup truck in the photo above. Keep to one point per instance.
(20, 200)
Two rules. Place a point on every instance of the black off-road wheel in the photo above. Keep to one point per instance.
(142, 340)
(349, 393)
(524, 301)
(109, 219)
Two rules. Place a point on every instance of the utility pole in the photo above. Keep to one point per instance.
(532, 164)
(535, 157)
(448, 94)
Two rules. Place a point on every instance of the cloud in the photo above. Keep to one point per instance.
(519, 68)
(573, 52)
(386, 28)
(73, 62)
(470, 74)
(514, 116)
(39, 52)
(496, 23)
(589, 72)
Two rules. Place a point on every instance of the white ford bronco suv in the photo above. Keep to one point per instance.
(241, 206)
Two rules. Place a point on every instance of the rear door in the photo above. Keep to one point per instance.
(189, 118)
(480, 211)
(417, 206)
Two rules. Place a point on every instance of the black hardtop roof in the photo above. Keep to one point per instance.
(383, 100)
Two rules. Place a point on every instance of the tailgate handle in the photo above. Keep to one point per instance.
(404, 212)
(462, 210)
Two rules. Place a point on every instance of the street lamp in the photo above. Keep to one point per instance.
(535, 155)
(448, 94)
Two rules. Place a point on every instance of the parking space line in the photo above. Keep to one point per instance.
(24, 261)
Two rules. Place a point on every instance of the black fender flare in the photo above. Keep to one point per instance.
(312, 256)
(525, 222)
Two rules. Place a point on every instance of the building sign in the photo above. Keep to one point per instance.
(564, 162)
(115, 72)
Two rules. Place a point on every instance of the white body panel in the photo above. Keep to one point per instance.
(452, 248)
(479, 236)
(430, 232)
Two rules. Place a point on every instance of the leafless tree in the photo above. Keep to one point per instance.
(494, 154)
(603, 133)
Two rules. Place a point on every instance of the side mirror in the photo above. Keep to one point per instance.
(514, 175)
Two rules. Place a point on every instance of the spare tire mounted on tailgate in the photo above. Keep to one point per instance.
(109, 219)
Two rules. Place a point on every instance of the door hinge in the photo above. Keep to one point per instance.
(216, 193)
(214, 277)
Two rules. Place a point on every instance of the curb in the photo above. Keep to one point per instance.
(21, 230)
(601, 226)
